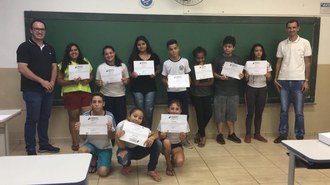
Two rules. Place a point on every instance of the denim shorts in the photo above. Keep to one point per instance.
(225, 108)
(103, 155)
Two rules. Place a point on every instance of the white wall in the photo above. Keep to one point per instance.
(12, 15)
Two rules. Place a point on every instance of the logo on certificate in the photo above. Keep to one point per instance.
(146, 3)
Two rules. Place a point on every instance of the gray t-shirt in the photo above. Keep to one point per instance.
(228, 87)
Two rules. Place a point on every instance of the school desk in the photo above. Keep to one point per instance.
(5, 116)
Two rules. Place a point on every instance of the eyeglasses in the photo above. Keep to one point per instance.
(39, 29)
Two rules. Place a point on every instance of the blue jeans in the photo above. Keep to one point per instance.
(140, 152)
(38, 110)
(145, 101)
(291, 92)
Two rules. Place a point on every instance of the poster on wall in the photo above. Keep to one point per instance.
(325, 8)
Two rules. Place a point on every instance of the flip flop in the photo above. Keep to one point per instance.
(154, 175)
(126, 170)
(170, 172)
(92, 169)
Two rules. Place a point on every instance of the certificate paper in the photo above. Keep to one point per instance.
(174, 123)
(135, 134)
(203, 71)
(111, 75)
(256, 67)
(93, 125)
(178, 81)
(231, 69)
(144, 68)
(81, 70)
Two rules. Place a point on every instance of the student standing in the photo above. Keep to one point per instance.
(201, 91)
(292, 75)
(77, 92)
(99, 145)
(38, 68)
(256, 94)
(226, 95)
(176, 65)
(143, 88)
(128, 151)
(115, 92)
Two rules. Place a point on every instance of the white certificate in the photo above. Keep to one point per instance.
(231, 69)
(178, 81)
(203, 71)
(256, 67)
(79, 71)
(174, 123)
(144, 67)
(135, 134)
(93, 125)
(111, 75)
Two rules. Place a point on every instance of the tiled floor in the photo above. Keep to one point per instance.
(254, 163)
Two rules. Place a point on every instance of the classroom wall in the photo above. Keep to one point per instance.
(12, 32)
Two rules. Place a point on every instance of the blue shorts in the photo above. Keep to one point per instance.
(225, 108)
(103, 155)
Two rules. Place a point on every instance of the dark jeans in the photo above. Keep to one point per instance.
(145, 101)
(182, 97)
(203, 109)
(117, 106)
(140, 152)
(255, 100)
(38, 110)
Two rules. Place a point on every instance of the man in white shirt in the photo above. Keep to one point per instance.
(292, 78)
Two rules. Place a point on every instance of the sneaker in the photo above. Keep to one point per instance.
(279, 139)
(187, 144)
(260, 138)
(299, 137)
(48, 148)
(234, 138)
(247, 139)
(31, 152)
(220, 139)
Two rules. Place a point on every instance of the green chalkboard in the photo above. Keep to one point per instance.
(93, 31)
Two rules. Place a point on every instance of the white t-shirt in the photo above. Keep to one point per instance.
(173, 137)
(293, 63)
(179, 67)
(112, 89)
(101, 141)
(259, 81)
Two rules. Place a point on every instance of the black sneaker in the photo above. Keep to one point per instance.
(31, 152)
(234, 138)
(48, 148)
(299, 137)
(220, 139)
(279, 139)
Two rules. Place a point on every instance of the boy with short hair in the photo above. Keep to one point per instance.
(226, 95)
(176, 65)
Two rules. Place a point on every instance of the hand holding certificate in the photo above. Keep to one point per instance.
(231, 69)
(178, 81)
(256, 67)
(174, 123)
(144, 68)
(81, 71)
(93, 125)
(203, 71)
(111, 75)
(135, 134)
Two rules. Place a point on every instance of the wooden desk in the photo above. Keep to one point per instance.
(45, 169)
(311, 151)
(5, 116)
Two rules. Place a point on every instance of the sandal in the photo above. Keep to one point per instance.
(202, 142)
(170, 172)
(197, 138)
(75, 147)
(154, 175)
(92, 169)
(126, 170)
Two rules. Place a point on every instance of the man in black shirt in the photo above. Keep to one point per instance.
(37, 64)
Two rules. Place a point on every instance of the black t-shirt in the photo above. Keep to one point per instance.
(199, 90)
(228, 87)
(39, 61)
(143, 83)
